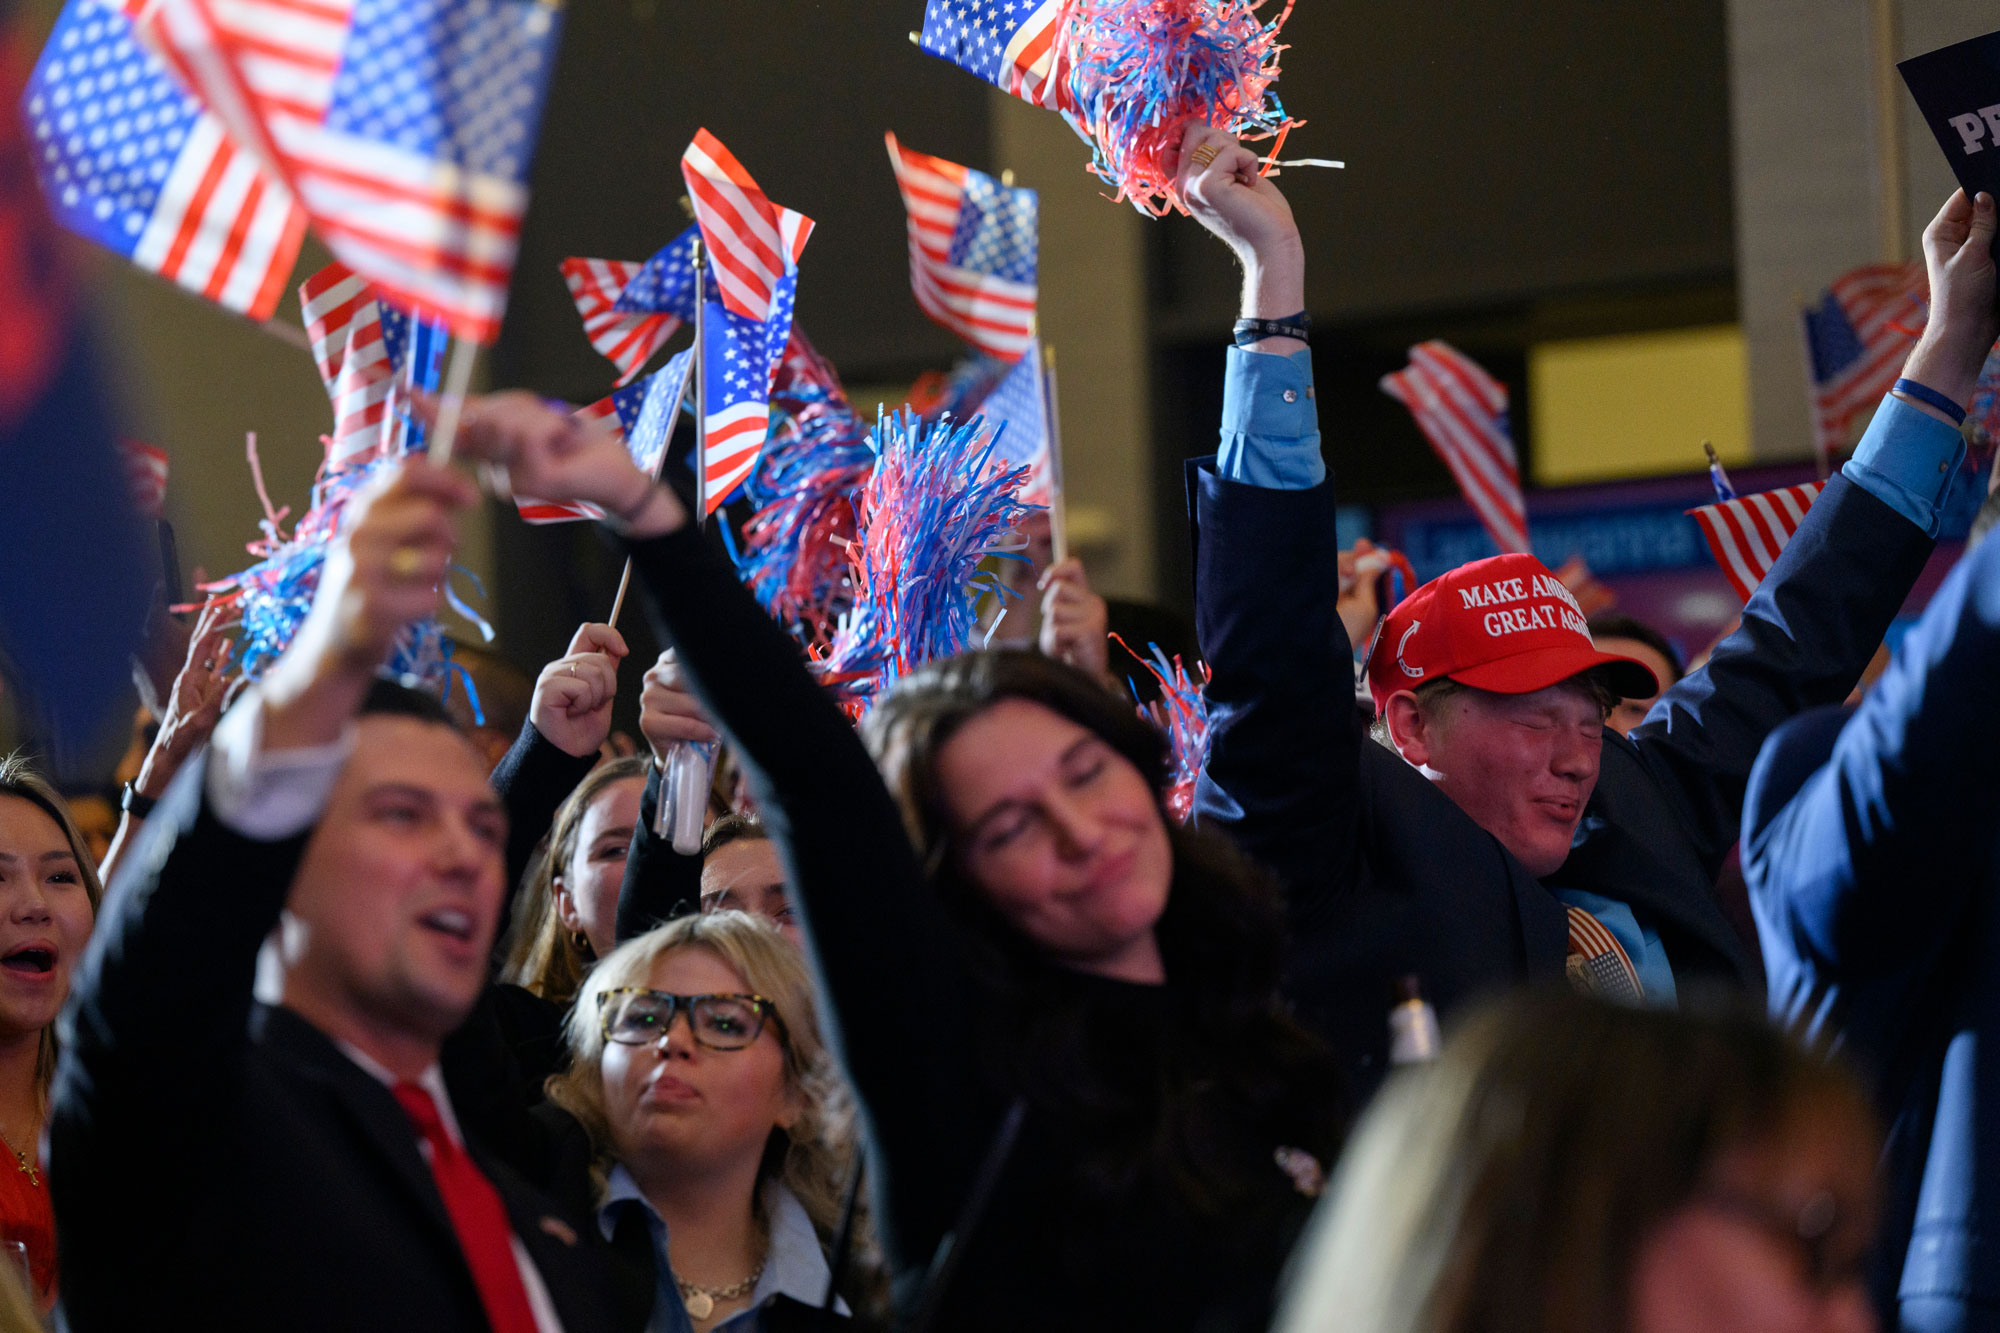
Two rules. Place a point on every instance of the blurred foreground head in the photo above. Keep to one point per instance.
(1569, 1165)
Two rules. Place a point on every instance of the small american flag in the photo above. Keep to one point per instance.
(129, 160)
(1019, 405)
(973, 250)
(740, 362)
(752, 243)
(405, 127)
(1462, 411)
(626, 336)
(146, 474)
(1856, 340)
(370, 355)
(641, 414)
(1012, 44)
(1747, 533)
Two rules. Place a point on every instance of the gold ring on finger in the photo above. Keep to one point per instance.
(1204, 155)
(406, 562)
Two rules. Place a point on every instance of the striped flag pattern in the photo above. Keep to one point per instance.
(973, 250)
(146, 475)
(1857, 338)
(1747, 533)
(404, 127)
(1598, 964)
(1019, 404)
(1462, 411)
(1012, 44)
(752, 242)
(626, 339)
(370, 355)
(128, 159)
(638, 416)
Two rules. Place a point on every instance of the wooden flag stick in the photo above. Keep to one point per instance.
(673, 424)
(700, 392)
(1052, 437)
(457, 379)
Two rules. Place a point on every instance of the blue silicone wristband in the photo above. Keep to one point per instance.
(1924, 393)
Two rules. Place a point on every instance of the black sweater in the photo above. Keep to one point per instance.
(1090, 1225)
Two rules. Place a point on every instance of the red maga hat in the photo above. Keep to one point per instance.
(1504, 624)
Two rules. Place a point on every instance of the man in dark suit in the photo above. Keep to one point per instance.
(1506, 833)
(1871, 844)
(222, 1163)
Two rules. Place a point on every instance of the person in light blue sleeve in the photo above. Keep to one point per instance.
(1871, 844)
(1503, 835)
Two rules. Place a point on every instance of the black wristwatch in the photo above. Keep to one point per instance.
(136, 805)
(1255, 330)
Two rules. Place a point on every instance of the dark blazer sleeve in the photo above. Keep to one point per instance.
(660, 884)
(1284, 765)
(1807, 635)
(890, 962)
(533, 779)
(1869, 866)
(163, 992)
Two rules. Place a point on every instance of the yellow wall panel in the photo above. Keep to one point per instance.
(1638, 404)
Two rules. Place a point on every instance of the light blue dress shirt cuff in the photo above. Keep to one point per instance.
(1908, 460)
(1270, 423)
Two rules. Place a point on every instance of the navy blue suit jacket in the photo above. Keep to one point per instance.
(1387, 877)
(1871, 846)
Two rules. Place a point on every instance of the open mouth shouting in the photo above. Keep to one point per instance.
(34, 959)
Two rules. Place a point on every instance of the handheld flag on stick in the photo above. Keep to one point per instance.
(1018, 414)
(1717, 477)
(1462, 411)
(643, 415)
(370, 357)
(973, 250)
(150, 172)
(753, 248)
(630, 310)
(1857, 338)
(1746, 534)
(1128, 75)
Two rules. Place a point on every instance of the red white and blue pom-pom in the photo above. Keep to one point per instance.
(936, 506)
(958, 392)
(794, 551)
(1181, 714)
(1136, 73)
(271, 597)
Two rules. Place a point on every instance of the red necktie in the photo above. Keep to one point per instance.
(477, 1215)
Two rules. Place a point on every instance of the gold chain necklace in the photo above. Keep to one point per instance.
(21, 1160)
(701, 1301)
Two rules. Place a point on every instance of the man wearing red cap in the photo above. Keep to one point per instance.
(1501, 834)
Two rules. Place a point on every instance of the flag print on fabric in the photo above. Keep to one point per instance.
(641, 414)
(1018, 414)
(370, 356)
(1012, 44)
(752, 243)
(1747, 533)
(404, 127)
(1856, 339)
(973, 250)
(1462, 411)
(130, 160)
(146, 475)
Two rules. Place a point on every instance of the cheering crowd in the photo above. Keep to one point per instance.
(949, 1024)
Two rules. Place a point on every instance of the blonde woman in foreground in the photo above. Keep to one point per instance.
(1569, 1166)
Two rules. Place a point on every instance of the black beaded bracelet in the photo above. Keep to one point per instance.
(1924, 393)
(1298, 326)
(136, 805)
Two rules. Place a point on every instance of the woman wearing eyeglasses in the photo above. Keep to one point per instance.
(720, 1133)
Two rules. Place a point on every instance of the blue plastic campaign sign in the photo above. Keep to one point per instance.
(1958, 90)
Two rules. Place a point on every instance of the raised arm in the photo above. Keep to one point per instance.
(1867, 868)
(1817, 618)
(889, 959)
(1283, 772)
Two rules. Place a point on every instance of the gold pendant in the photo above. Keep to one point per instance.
(27, 1168)
(700, 1305)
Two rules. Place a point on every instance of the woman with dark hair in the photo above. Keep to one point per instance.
(48, 902)
(1570, 1165)
(1088, 1104)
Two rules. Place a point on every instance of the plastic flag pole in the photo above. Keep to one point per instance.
(689, 771)
(457, 379)
(1052, 421)
(673, 423)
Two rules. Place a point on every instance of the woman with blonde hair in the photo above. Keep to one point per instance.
(49, 893)
(1570, 1165)
(718, 1126)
